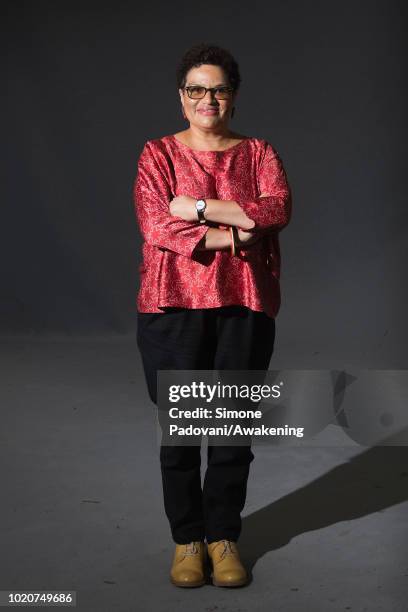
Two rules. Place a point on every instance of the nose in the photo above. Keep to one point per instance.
(211, 94)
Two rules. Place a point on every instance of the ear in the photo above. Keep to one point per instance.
(181, 93)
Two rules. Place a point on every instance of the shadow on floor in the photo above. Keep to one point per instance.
(370, 482)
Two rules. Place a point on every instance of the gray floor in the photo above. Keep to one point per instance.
(325, 526)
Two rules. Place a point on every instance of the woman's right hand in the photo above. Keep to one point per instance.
(246, 238)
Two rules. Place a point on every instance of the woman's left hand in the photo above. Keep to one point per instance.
(184, 206)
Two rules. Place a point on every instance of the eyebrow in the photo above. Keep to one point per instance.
(199, 85)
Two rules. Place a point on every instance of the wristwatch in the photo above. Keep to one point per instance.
(200, 207)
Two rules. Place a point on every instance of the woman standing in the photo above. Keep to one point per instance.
(210, 204)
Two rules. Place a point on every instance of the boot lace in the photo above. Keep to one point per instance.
(191, 549)
(228, 550)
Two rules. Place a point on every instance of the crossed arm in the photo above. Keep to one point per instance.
(171, 223)
(225, 212)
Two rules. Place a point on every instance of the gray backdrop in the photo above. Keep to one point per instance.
(89, 82)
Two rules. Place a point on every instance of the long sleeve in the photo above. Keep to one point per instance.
(272, 211)
(152, 196)
(174, 274)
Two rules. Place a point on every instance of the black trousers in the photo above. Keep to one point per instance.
(225, 338)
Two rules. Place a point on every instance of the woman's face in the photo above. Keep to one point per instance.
(208, 112)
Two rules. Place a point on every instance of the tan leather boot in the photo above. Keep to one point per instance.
(227, 569)
(188, 569)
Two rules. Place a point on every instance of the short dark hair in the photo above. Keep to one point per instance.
(205, 53)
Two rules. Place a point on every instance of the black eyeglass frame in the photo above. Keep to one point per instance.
(229, 90)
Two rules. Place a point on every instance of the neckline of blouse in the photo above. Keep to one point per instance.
(210, 150)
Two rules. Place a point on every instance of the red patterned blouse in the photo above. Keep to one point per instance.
(173, 273)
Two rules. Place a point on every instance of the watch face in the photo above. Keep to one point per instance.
(200, 205)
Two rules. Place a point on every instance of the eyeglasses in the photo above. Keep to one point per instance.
(196, 92)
